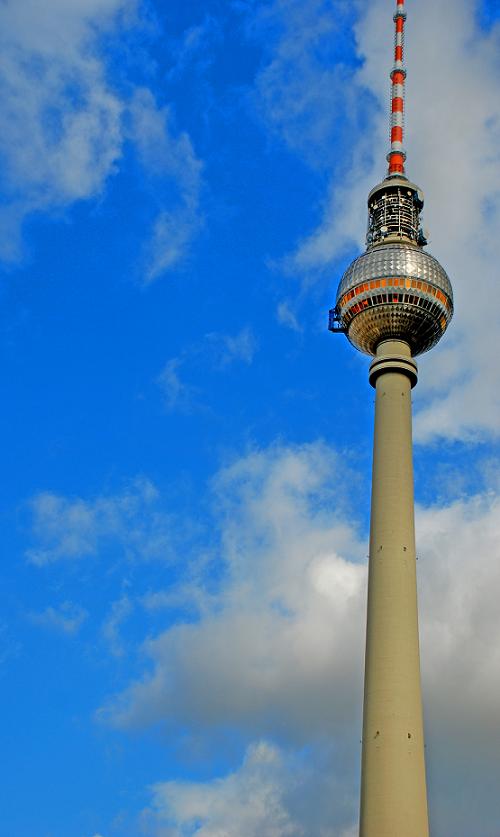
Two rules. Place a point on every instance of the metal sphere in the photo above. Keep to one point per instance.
(394, 291)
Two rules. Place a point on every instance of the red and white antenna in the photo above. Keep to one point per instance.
(396, 157)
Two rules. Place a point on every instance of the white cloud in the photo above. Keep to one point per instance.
(272, 793)
(60, 134)
(459, 573)
(68, 618)
(189, 596)
(173, 232)
(247, 803)
(75, 528)
(302, 90)
(119, 612)
(176, 393)
(314, 100)
(172, 157)
(63, 125)
(215, 352)
(274, 651)
(286, 316)
(460, 578)
(228, 348)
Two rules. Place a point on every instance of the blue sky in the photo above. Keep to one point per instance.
(186, 449)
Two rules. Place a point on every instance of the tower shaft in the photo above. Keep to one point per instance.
(393, 785)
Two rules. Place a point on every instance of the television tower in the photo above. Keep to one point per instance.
(393, 302)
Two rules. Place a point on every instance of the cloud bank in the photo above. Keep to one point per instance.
(75, 528)
(274, 655)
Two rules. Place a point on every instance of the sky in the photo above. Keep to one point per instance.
(186, 449)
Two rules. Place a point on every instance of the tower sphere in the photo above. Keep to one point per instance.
(395, 290)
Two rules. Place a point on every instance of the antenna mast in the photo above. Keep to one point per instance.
(396, 157)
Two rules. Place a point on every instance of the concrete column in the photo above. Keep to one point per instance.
(393, 787)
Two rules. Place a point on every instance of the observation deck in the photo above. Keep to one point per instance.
(395, 290)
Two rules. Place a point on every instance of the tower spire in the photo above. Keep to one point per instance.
(396, 157)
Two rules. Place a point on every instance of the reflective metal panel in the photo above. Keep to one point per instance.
(394, 292)
(395, 260)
